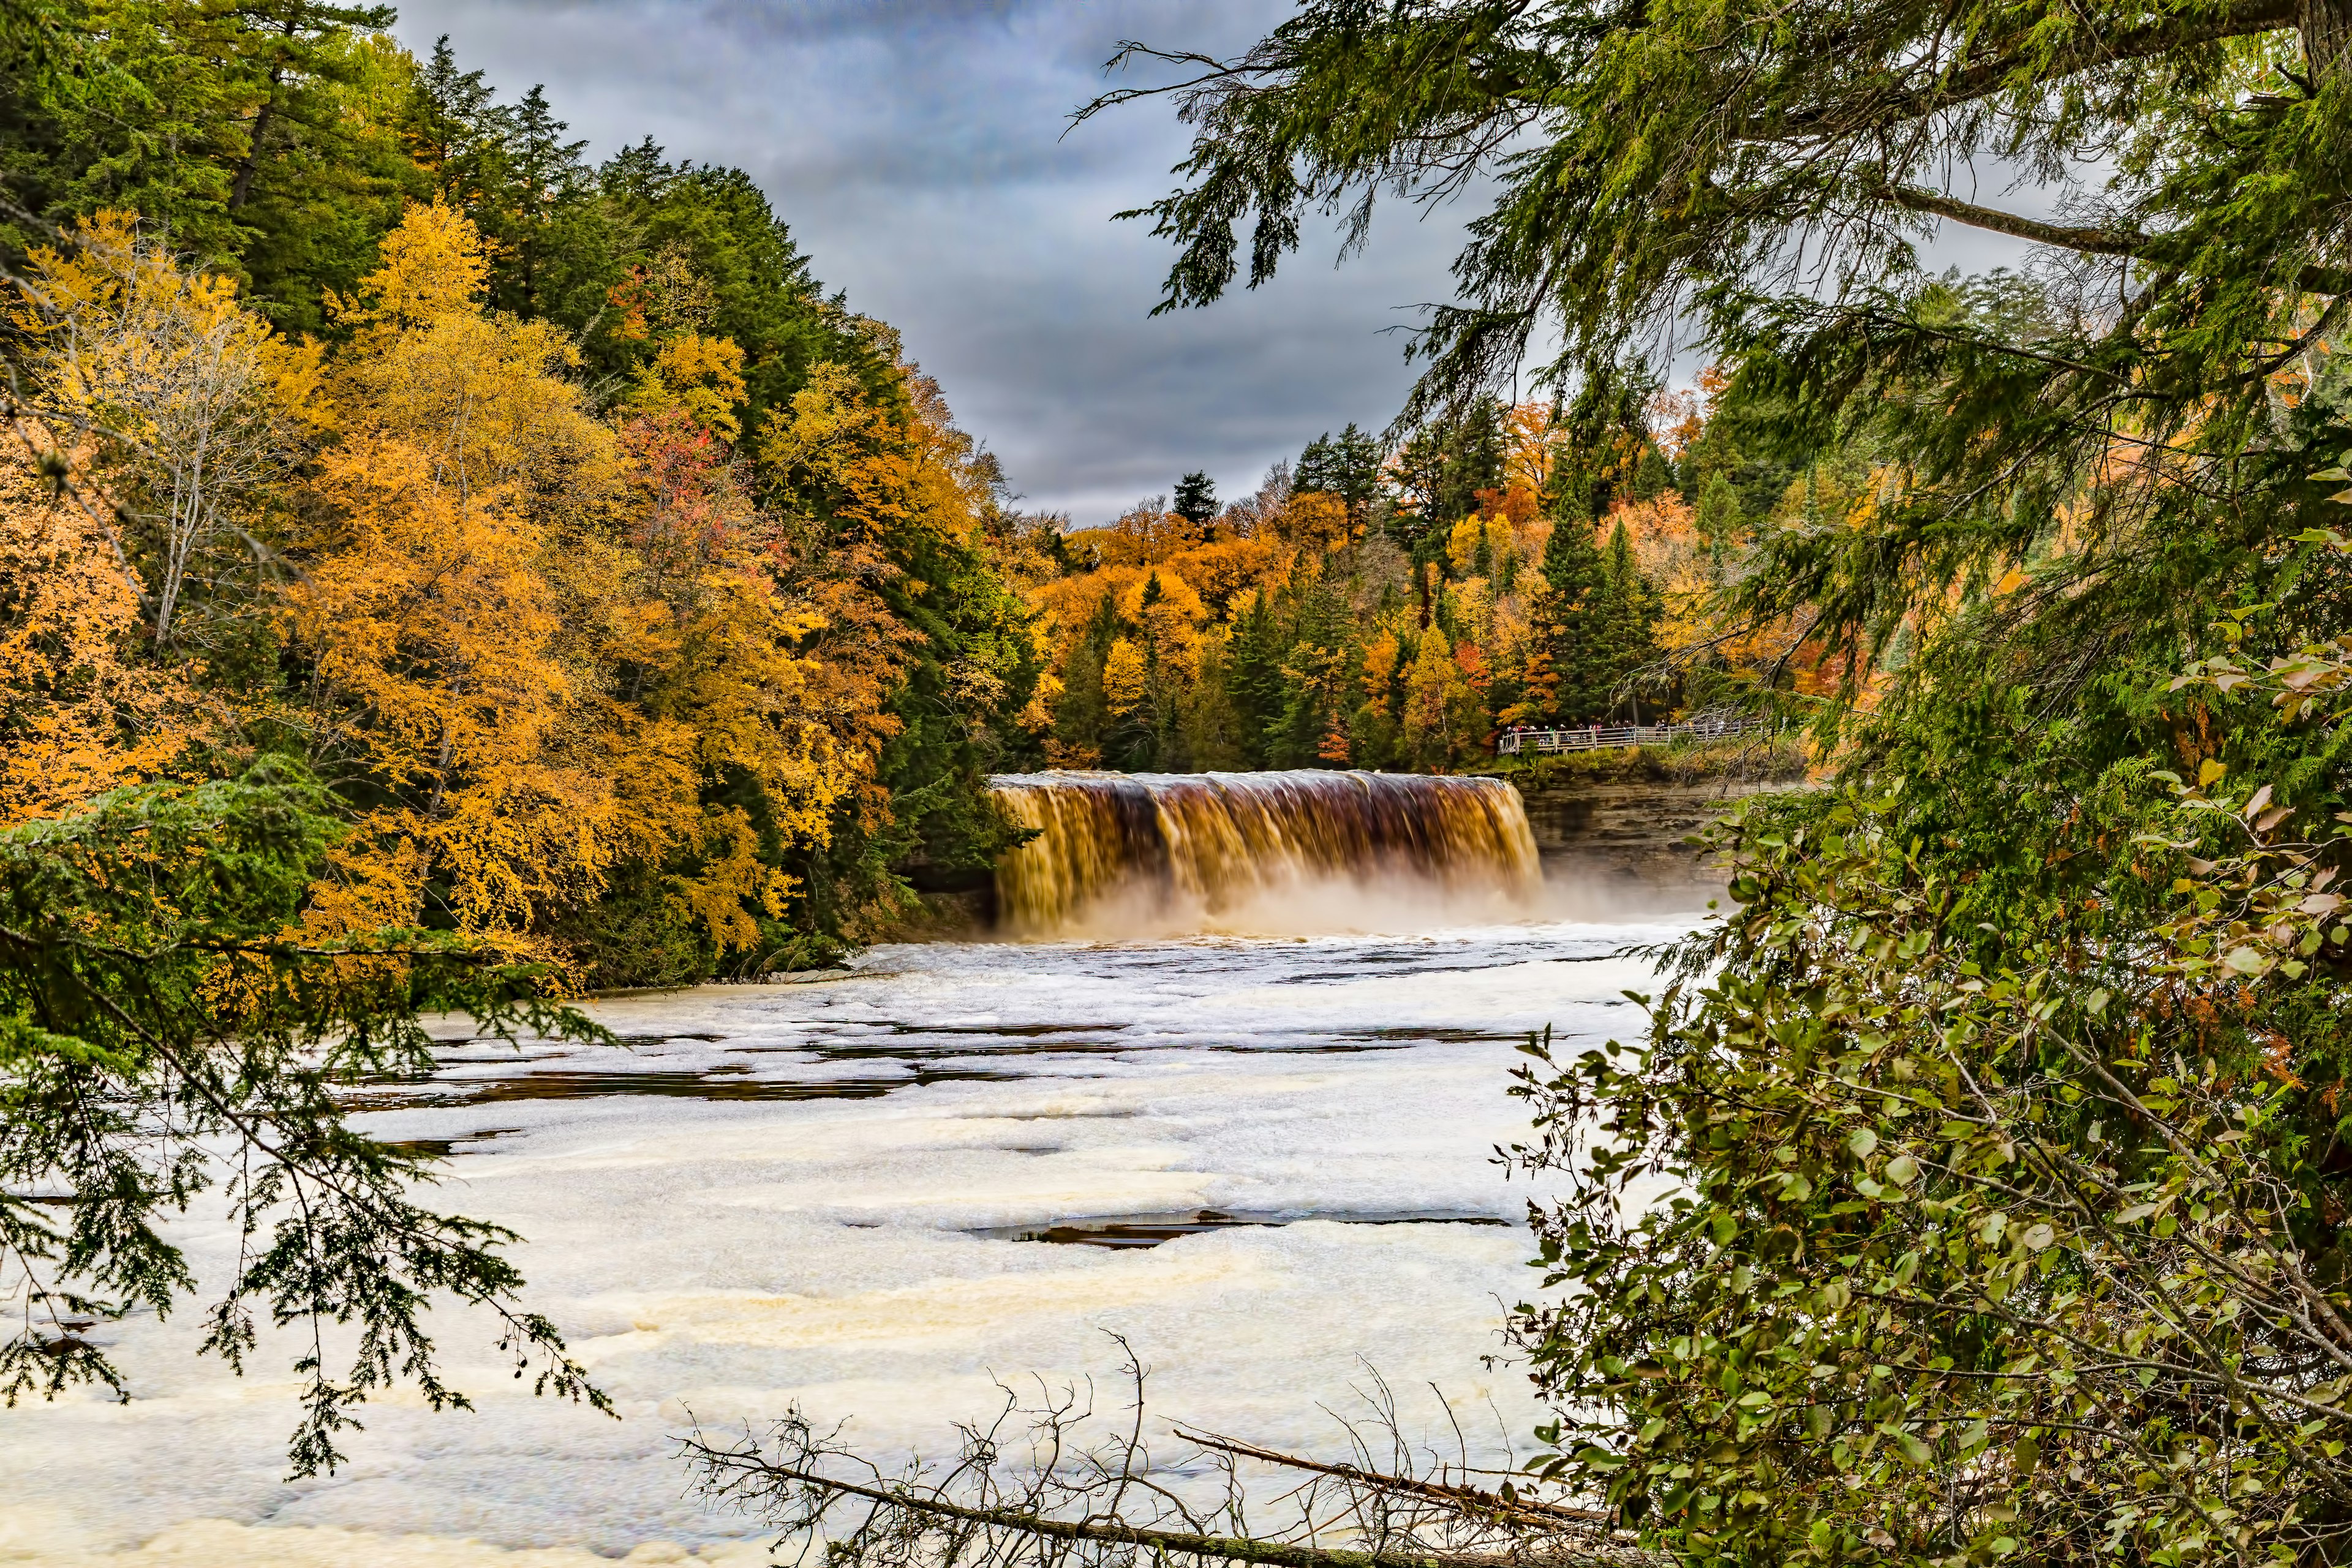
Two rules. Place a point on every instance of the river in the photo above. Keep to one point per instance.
(829, 1192)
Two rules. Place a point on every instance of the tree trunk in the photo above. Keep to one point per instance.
(239, 191)
(2327, 28)
(242, 188)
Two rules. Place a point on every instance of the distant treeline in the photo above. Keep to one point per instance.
(1390, 606)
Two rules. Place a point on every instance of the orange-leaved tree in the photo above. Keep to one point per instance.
(81, 710)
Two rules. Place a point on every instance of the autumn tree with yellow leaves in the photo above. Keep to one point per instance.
(614, 683)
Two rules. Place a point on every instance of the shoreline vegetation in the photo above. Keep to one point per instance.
(1761, 760)
(438, 572)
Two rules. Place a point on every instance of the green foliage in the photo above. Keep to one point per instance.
(170, 1037)
(1440, 471)
(1757, 758)
(1595, 618)
(1256, 668)
(260, 135)
(1763, 170)
(1196, 499)
(1993, 1137)
(1976, 1194)
(1348, 467)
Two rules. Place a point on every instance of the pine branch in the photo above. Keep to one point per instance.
(2312, 278)
(1895, 105)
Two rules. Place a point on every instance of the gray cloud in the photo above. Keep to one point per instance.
(917, 149)
(923, 151)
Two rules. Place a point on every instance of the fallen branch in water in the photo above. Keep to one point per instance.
(1026, 1492)
(749, 1463)
(1503, 1506)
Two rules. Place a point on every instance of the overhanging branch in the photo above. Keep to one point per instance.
(2091, 241)
(2311, 278)
(1981, 78)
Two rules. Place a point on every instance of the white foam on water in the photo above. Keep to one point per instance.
(722, 1259)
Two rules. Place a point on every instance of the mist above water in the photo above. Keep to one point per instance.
(1374, 903)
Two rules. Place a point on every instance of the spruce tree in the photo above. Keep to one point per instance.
(1196, 499)
(1258, 652)
(1080, 716)
(1347, 466)
(1626, 621)
(1571, 616)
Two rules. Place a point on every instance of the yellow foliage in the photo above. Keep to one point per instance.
(1037, 715)
(1381, 664)
(1674, 558)
(533, 643)
(79, 712)
(1224, 568)
(115, 315)
(1474, 608)
(432, 265)
(432, 636)
(833, 434)
(701, 376)
(1528, 449)
(1176, 598)
(539, 640)
(1436, 700)
(486, 400)
(172, 373)
(1313, 520)
(1143, 536)
(1123, 678)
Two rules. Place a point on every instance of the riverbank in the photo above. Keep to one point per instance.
(1741, 759)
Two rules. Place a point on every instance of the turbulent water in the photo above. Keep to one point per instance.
(1253, 851)
(817, 1193)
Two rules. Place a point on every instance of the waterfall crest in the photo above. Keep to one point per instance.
(1216, 841)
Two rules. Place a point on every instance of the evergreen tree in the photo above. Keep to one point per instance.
(535, 219)
(1196, 499)
(1313, 673)
(1258, 653)
(258, 136)
(1442, 469)
(1472, 443)
(1317, 467)
(1081, 715)
(1571, 681)
(1214, 739)
(1602, 445)
(1624, 623)
(1348, 467)
(454, 131)
(1718, 520)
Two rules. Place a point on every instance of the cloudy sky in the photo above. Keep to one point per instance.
(917, 149)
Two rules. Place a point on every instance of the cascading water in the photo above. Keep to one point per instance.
(1218, 841)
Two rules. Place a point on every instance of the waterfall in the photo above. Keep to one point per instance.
(1216, 841)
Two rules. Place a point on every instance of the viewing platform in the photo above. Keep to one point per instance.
(1599, 737)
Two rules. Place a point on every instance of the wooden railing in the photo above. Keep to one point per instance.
(1596, 737)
